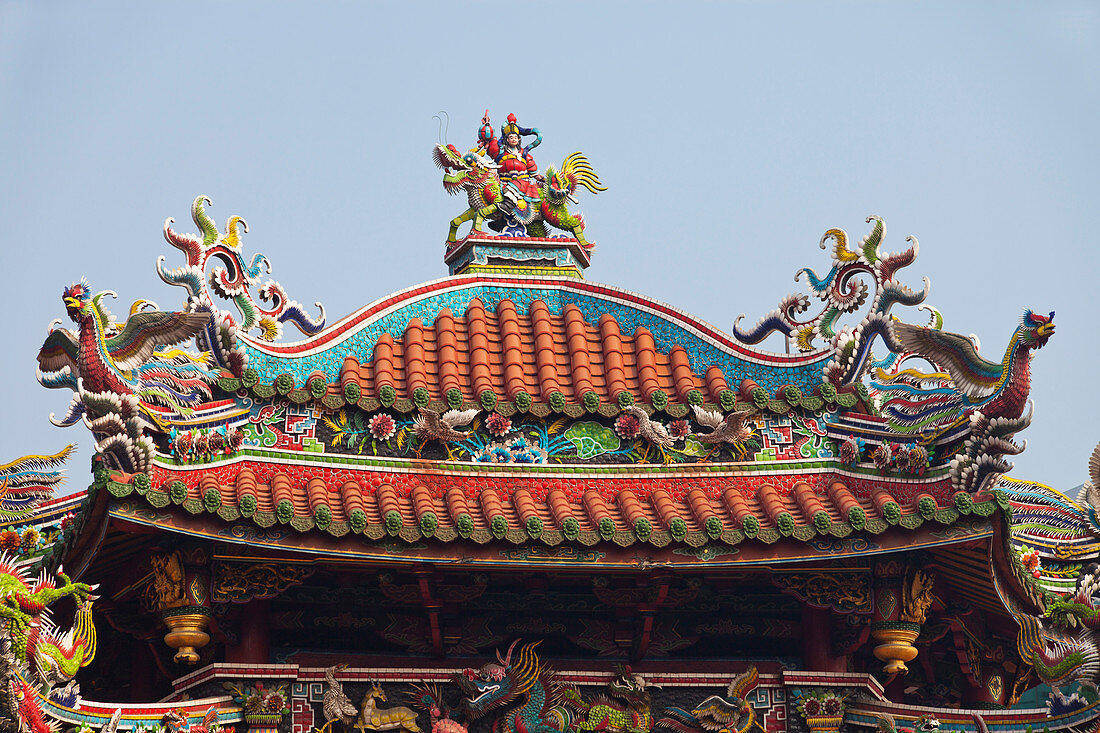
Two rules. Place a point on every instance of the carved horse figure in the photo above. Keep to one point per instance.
(374, 718)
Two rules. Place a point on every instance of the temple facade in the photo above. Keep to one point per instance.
(514, 500)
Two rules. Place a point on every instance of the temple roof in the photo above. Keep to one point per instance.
(516, 404)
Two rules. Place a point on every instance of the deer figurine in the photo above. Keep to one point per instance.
(382, 719)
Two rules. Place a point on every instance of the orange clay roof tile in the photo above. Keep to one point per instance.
(537, 353)
(480, 371)
(716, 383)
(682, 377)
(545, 347)
(513, 349)
(447, 352)
(416, 375)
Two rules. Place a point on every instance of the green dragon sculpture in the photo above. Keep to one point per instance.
(477, 177)
(624, 708)
(37, 645)
(532, 701)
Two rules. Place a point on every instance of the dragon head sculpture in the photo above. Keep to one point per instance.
(37, 644)
(631, 688)
(459, 171)
(500, 683)
(575, 170)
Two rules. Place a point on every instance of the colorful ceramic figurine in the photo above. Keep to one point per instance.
(503, 186)
(517, 167)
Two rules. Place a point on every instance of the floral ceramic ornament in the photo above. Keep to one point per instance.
(851, 450)
(382, 426)
(883, 457)
(497, 424)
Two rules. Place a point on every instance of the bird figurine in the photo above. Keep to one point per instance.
(650, 430)
(731, 429)
(127, 361)
(111, 726)
(730, 713)
(335, 704)
(430, 425)
(997, 389)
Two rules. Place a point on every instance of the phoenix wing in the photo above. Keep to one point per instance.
(60, 350)
(112, 724)
(145, 331)
(458, 418)
(1092, 486)
(886, 723)
(973, 375)
(741, 684)
(716, 713)
(210, 719)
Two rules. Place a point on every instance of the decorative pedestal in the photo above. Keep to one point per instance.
(263, 722)
(502, 255)
(824, 724)
(186, 631)
(903, 596)
(180, 591)
(896, 647)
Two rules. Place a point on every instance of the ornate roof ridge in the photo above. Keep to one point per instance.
(355, 321)
(491, 355)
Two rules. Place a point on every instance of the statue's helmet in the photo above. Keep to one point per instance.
(512, 126)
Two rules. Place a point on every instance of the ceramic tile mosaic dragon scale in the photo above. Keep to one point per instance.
(525, 365)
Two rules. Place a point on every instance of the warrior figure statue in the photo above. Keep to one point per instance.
(518, 172)
(505, 190)
(517, 167)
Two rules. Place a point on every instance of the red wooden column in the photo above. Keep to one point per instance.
(143, 674)
(254, 644)
(894, 689)
(991, 694)
(817, 645)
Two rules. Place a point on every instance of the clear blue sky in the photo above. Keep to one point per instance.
(730, 136)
